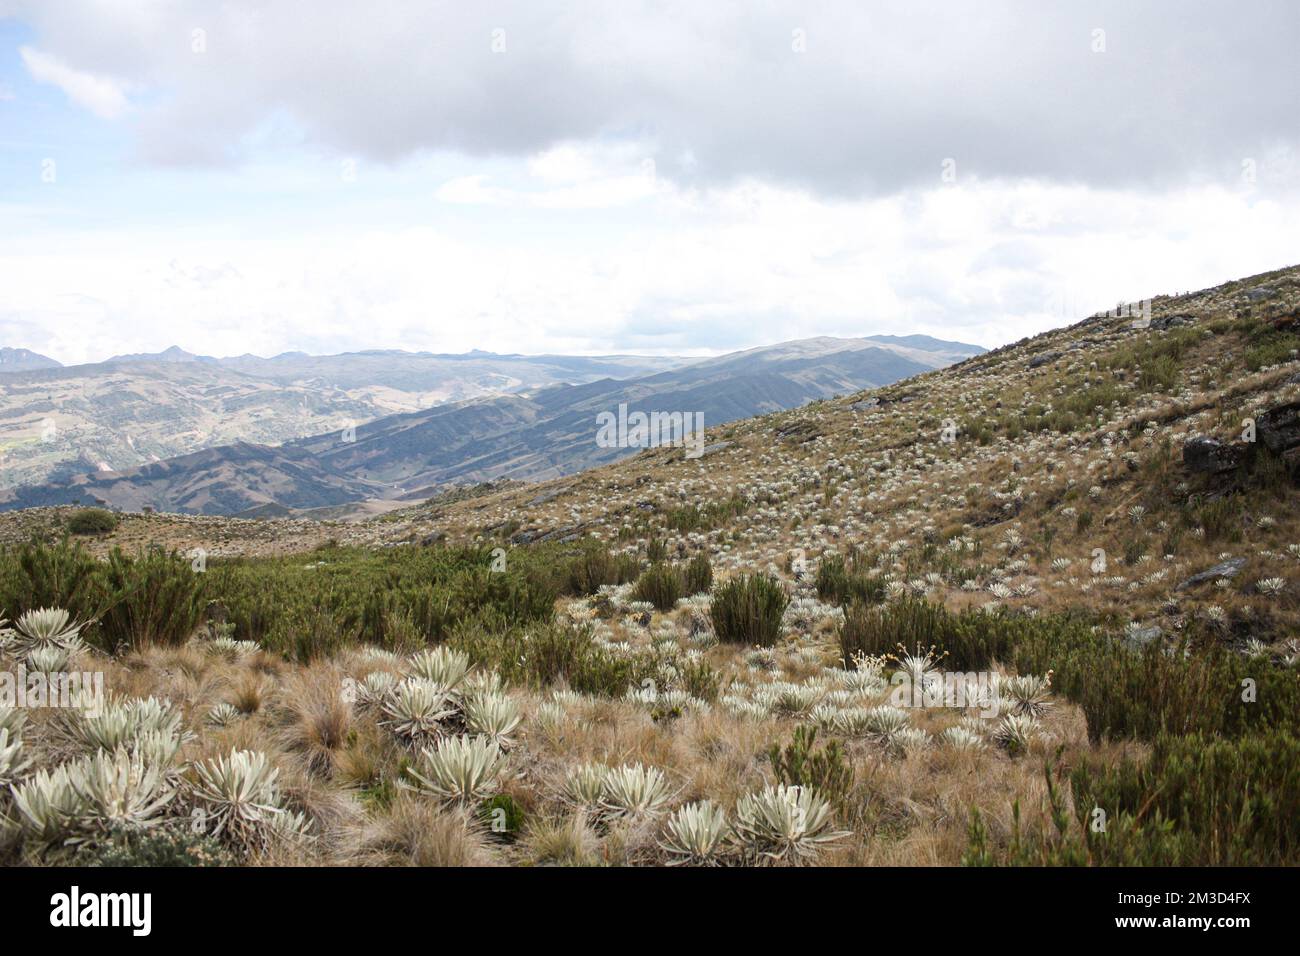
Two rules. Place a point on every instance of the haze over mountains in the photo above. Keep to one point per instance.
(60, 421)
(267, 436)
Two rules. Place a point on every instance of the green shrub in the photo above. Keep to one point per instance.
(698, 575)
(971, 640)
(803, 764)
(390, 598)
(1224, 802)
(661, 585)
(552, 653)
(1194, 801)
(699, 679)
(92, 521)
(502, 816)
(594, 566)
(748, 610)
(843, 582)
(1122, 692)
(155, 598)
(168, 845)
(62, 575)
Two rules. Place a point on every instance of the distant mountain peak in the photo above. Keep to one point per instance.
(24, 360)
(173, 353)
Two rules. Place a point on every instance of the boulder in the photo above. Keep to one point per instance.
(1173, 321)
(1225, 569)
(1279, 428)
(1043, 359)
(1211, 456)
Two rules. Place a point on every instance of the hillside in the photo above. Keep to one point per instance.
(961, 613)
(58, 422)
(1058, 440)
(540, 434)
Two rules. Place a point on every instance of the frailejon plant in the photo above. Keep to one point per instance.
(12, 762)
(461, 770)
(584, 786)
(441, 665)
(695, 834)
(238, 801)
(45, 628)
(121, 722)
(119, 790)
(417, 709)
(784, 824)
(634, 791)
(494, 716)
(48, 807)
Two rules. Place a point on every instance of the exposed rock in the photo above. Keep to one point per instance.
(1039, 360)
(1139, 637)
(1173, 321)
(717, 446)
(865, 404)
(1211, 456)
(547, 495)
(1260, 293)
(1225, 569)
(1279, 427)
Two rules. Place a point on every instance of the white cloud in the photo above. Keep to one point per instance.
(880, 95)
(101, 95)
(706, 271)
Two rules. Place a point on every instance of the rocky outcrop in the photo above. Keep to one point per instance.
(1211, 456)
(1277, 429)
(1225, 569)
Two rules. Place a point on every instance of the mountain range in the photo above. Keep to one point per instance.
(525, 429)
(57, 422)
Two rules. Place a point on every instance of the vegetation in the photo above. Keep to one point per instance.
(92, 521)
(748, 610)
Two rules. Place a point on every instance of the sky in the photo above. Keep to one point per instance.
(634, 177)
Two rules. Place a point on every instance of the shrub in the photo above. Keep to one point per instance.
(748, 610)
(842, 581)
(698, 575)
(156, 598)
(594, 566)
(546, 654)
(62, 575)
(971, 640)
(173, 845)
(803, 764)
(502, 816)
(92, 521)
(661, 585)
(1195, 801)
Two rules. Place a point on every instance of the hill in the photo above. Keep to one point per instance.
(535, 435)
(969, 615)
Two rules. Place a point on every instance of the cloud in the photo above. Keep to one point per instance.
(838, 97)
(704, 272)
(101, 95)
